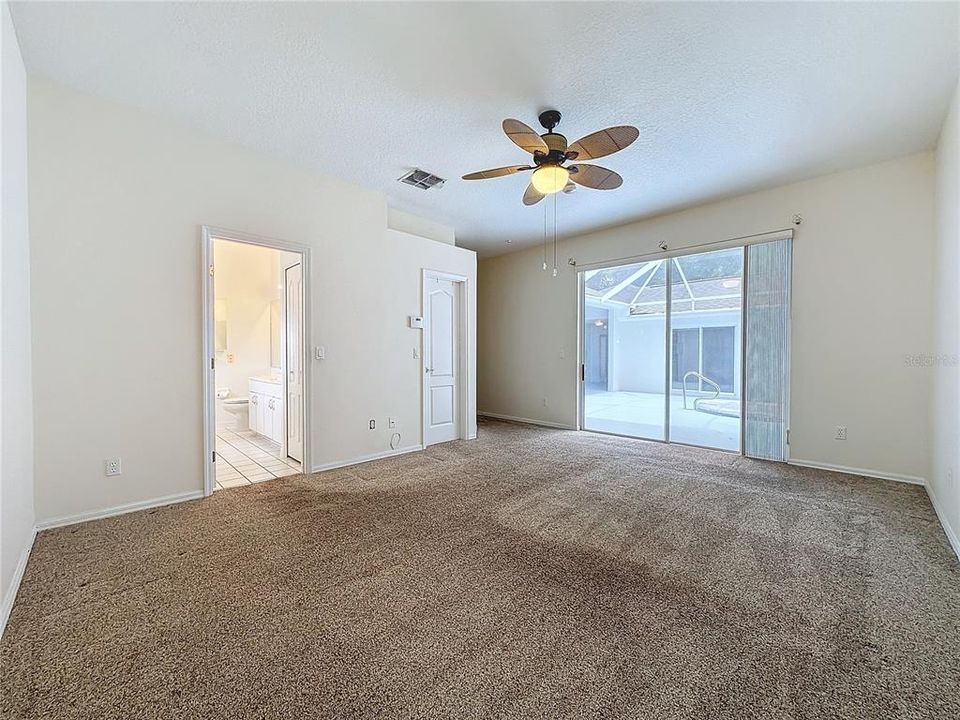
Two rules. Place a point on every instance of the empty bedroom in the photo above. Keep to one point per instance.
(480, 360)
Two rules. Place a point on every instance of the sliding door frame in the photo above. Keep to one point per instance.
(667, 348)
(671, 256)
(743, 350)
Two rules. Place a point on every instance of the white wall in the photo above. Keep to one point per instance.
(945, 477)
(16, 405)
(863, 261)
(117, 202)
(245, 285)
(639, 344)
(638, 348)
(414, 225)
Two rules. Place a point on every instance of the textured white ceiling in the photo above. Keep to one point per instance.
(728, 97)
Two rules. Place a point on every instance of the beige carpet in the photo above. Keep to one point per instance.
(532, 573)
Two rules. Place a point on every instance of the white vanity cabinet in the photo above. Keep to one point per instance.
(266, 408)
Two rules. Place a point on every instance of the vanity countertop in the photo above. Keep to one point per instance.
(272, 379)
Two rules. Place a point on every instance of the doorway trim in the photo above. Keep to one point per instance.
(208, 234)
(463, 320)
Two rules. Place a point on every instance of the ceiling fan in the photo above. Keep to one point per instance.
(550, 153)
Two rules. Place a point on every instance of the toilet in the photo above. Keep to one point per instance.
(236, 407)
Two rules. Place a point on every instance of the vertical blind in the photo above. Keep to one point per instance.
(767, 368)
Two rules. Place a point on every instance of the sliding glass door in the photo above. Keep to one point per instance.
(666, 357)
(623, 350)
(705, 314)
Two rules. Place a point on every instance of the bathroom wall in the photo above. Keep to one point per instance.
(247, 280)
(244, 286)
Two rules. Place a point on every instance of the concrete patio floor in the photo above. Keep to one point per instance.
(641, 415)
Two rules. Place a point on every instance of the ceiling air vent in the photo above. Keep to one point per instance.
(422, 179)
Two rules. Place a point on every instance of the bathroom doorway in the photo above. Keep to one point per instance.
(255, 369)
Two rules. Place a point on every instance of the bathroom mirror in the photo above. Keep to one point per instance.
(275, 334)
(220, 325)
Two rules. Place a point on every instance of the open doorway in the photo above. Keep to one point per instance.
(254, 320)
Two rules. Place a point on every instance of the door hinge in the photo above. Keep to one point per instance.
(214, 454)
(213, 363)
(211, 270)
(583, 372)
(788, 436)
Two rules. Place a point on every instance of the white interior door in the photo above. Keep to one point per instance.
(293, 277)
(441, 360)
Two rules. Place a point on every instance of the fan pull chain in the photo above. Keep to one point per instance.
(555, 271)
(544, 237)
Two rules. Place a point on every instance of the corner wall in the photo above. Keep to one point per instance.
(118, 198)
(16, 400)
(944, 483)
(862, 300)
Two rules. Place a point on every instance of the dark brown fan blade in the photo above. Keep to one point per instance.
(532, 196)
(594, 176)
(496, 172)
(603, 142)
(524, 136)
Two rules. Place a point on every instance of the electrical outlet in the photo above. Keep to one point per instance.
(841, 433)
(111, 467)
(230, 358)
(373, 424)
(391, 422)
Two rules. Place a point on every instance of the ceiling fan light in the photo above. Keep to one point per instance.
(550, 178)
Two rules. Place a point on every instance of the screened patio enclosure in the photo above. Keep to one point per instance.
(663, 348)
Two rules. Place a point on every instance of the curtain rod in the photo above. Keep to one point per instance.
(664, 252)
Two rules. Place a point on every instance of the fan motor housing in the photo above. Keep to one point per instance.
(555, 141)
(557, 145)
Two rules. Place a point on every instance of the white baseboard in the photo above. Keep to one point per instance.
(118, 510)
(942, 517)
(11, 595)
(366, 458)
(880, 475)
(526, 421)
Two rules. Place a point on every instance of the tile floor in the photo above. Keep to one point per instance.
(245, 457)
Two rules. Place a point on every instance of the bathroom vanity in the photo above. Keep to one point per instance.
(266, 407)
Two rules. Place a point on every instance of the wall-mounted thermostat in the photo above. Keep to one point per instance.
(416, 322)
